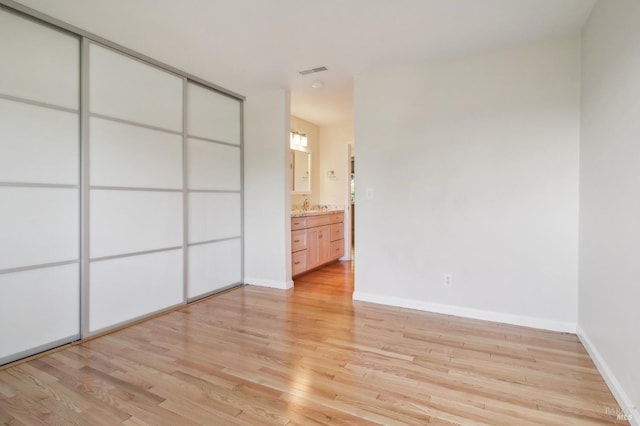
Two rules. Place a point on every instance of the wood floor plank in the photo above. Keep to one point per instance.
(311, 356)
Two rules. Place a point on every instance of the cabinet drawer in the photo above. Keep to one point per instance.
(298, 240)
(337, 249)
(337, 231)
(337, 217)
(298, 223)
(298, 262)
(313, 221)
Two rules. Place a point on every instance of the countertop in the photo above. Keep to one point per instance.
(301, 213)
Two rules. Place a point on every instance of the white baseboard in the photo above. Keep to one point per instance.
(282, 285)
(545, 324)
(614, 385)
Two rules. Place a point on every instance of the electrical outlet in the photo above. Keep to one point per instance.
(447, 280)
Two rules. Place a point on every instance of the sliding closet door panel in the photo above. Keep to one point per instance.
(128, 89)
(39, 187)
(38, 63)
(124, 222)
(213, 216)
(212, 115)
(213, 166)
(214, 176)
(136, 188)
(214, 266)
(38, 226)
(37, 145)
(130, 287)
(126, 155)
(37, 307)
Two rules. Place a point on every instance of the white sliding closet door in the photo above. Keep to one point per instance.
(214, 184)
(136, 189)
(39, 187)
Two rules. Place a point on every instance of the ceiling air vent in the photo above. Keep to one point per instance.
(313, 70)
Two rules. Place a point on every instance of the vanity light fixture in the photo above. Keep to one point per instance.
(312, 70)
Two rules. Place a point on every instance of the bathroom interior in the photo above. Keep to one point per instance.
(322, 194)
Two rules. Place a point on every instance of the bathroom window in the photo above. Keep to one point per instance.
(298, 140)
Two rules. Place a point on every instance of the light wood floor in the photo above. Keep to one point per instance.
(310, 356)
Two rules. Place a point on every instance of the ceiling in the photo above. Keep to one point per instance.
(255, 45)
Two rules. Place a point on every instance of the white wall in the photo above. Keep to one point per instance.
(267, 190)
(473, 165)
(334, 143)
(609, 317)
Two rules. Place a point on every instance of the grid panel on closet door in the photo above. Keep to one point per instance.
(136, 188)
(212, 115)
(127, 287)
(39, 187)
(214, 191)
(214, 266)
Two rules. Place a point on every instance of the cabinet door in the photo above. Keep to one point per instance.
(324, 244)
(313, 247)
(318, 246)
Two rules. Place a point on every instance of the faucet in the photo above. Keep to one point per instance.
(305, 205)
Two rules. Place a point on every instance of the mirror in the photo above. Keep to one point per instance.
(300, 172)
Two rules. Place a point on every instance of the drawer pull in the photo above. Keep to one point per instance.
(296, 263)
(296, 241)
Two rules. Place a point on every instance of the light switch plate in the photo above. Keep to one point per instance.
(369, 194)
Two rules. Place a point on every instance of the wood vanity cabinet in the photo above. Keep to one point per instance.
(316, 240)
